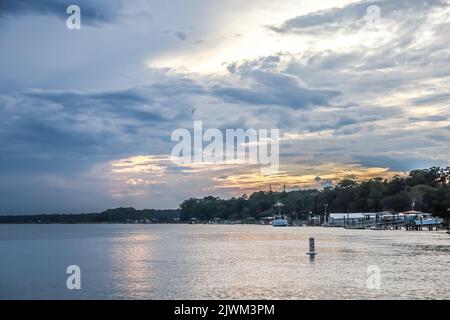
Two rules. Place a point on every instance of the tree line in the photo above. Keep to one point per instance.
(118, 215)
(426, 190)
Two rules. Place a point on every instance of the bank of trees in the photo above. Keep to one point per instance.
(426, 190)
(118, 215)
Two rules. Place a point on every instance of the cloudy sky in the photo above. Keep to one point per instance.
(86, 115)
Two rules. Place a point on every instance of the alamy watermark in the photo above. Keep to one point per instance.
(373, 17)
(73, 282)
(74, 20)
(374, 277)
(240, 146)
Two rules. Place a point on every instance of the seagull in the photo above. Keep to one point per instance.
(193, 110)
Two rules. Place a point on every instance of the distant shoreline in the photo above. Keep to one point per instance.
(118, 215)
(425, 190)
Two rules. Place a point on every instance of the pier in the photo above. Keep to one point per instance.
(412, 220)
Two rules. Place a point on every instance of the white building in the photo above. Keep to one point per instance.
(341, 219)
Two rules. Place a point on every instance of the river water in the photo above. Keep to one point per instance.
(222, 262)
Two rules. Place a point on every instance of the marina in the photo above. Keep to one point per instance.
(410, 220)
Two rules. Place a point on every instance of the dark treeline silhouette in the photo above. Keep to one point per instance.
(119, 215)
(426, 190)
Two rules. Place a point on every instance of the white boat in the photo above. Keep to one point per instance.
(280, 222)
(428, 222)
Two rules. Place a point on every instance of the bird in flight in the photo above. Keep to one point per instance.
(193, 110)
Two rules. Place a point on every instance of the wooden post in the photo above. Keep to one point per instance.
(312, 249)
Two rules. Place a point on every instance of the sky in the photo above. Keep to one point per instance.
(86, 116)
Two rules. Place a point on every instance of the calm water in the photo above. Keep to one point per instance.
(220, 262)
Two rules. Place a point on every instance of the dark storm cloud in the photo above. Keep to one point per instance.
(439, 137)
(433, 118)
(272, 88)
(92, 12)
(127, 104)
(398, 162)
(342, 121)
(40, 130)
(432, 99)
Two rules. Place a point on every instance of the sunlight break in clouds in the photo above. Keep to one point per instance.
(86, 115)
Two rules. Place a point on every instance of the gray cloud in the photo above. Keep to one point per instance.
(433, 118)
(181, 35)
(272, 88)
(353, 15)
(49, 131)
(399, 162)
(434, 98)
(92, 12)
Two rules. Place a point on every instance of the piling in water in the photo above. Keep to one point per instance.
(312, 249)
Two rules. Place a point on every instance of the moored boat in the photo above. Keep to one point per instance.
(279, 220)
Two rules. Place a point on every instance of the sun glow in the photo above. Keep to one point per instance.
(247, 35)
